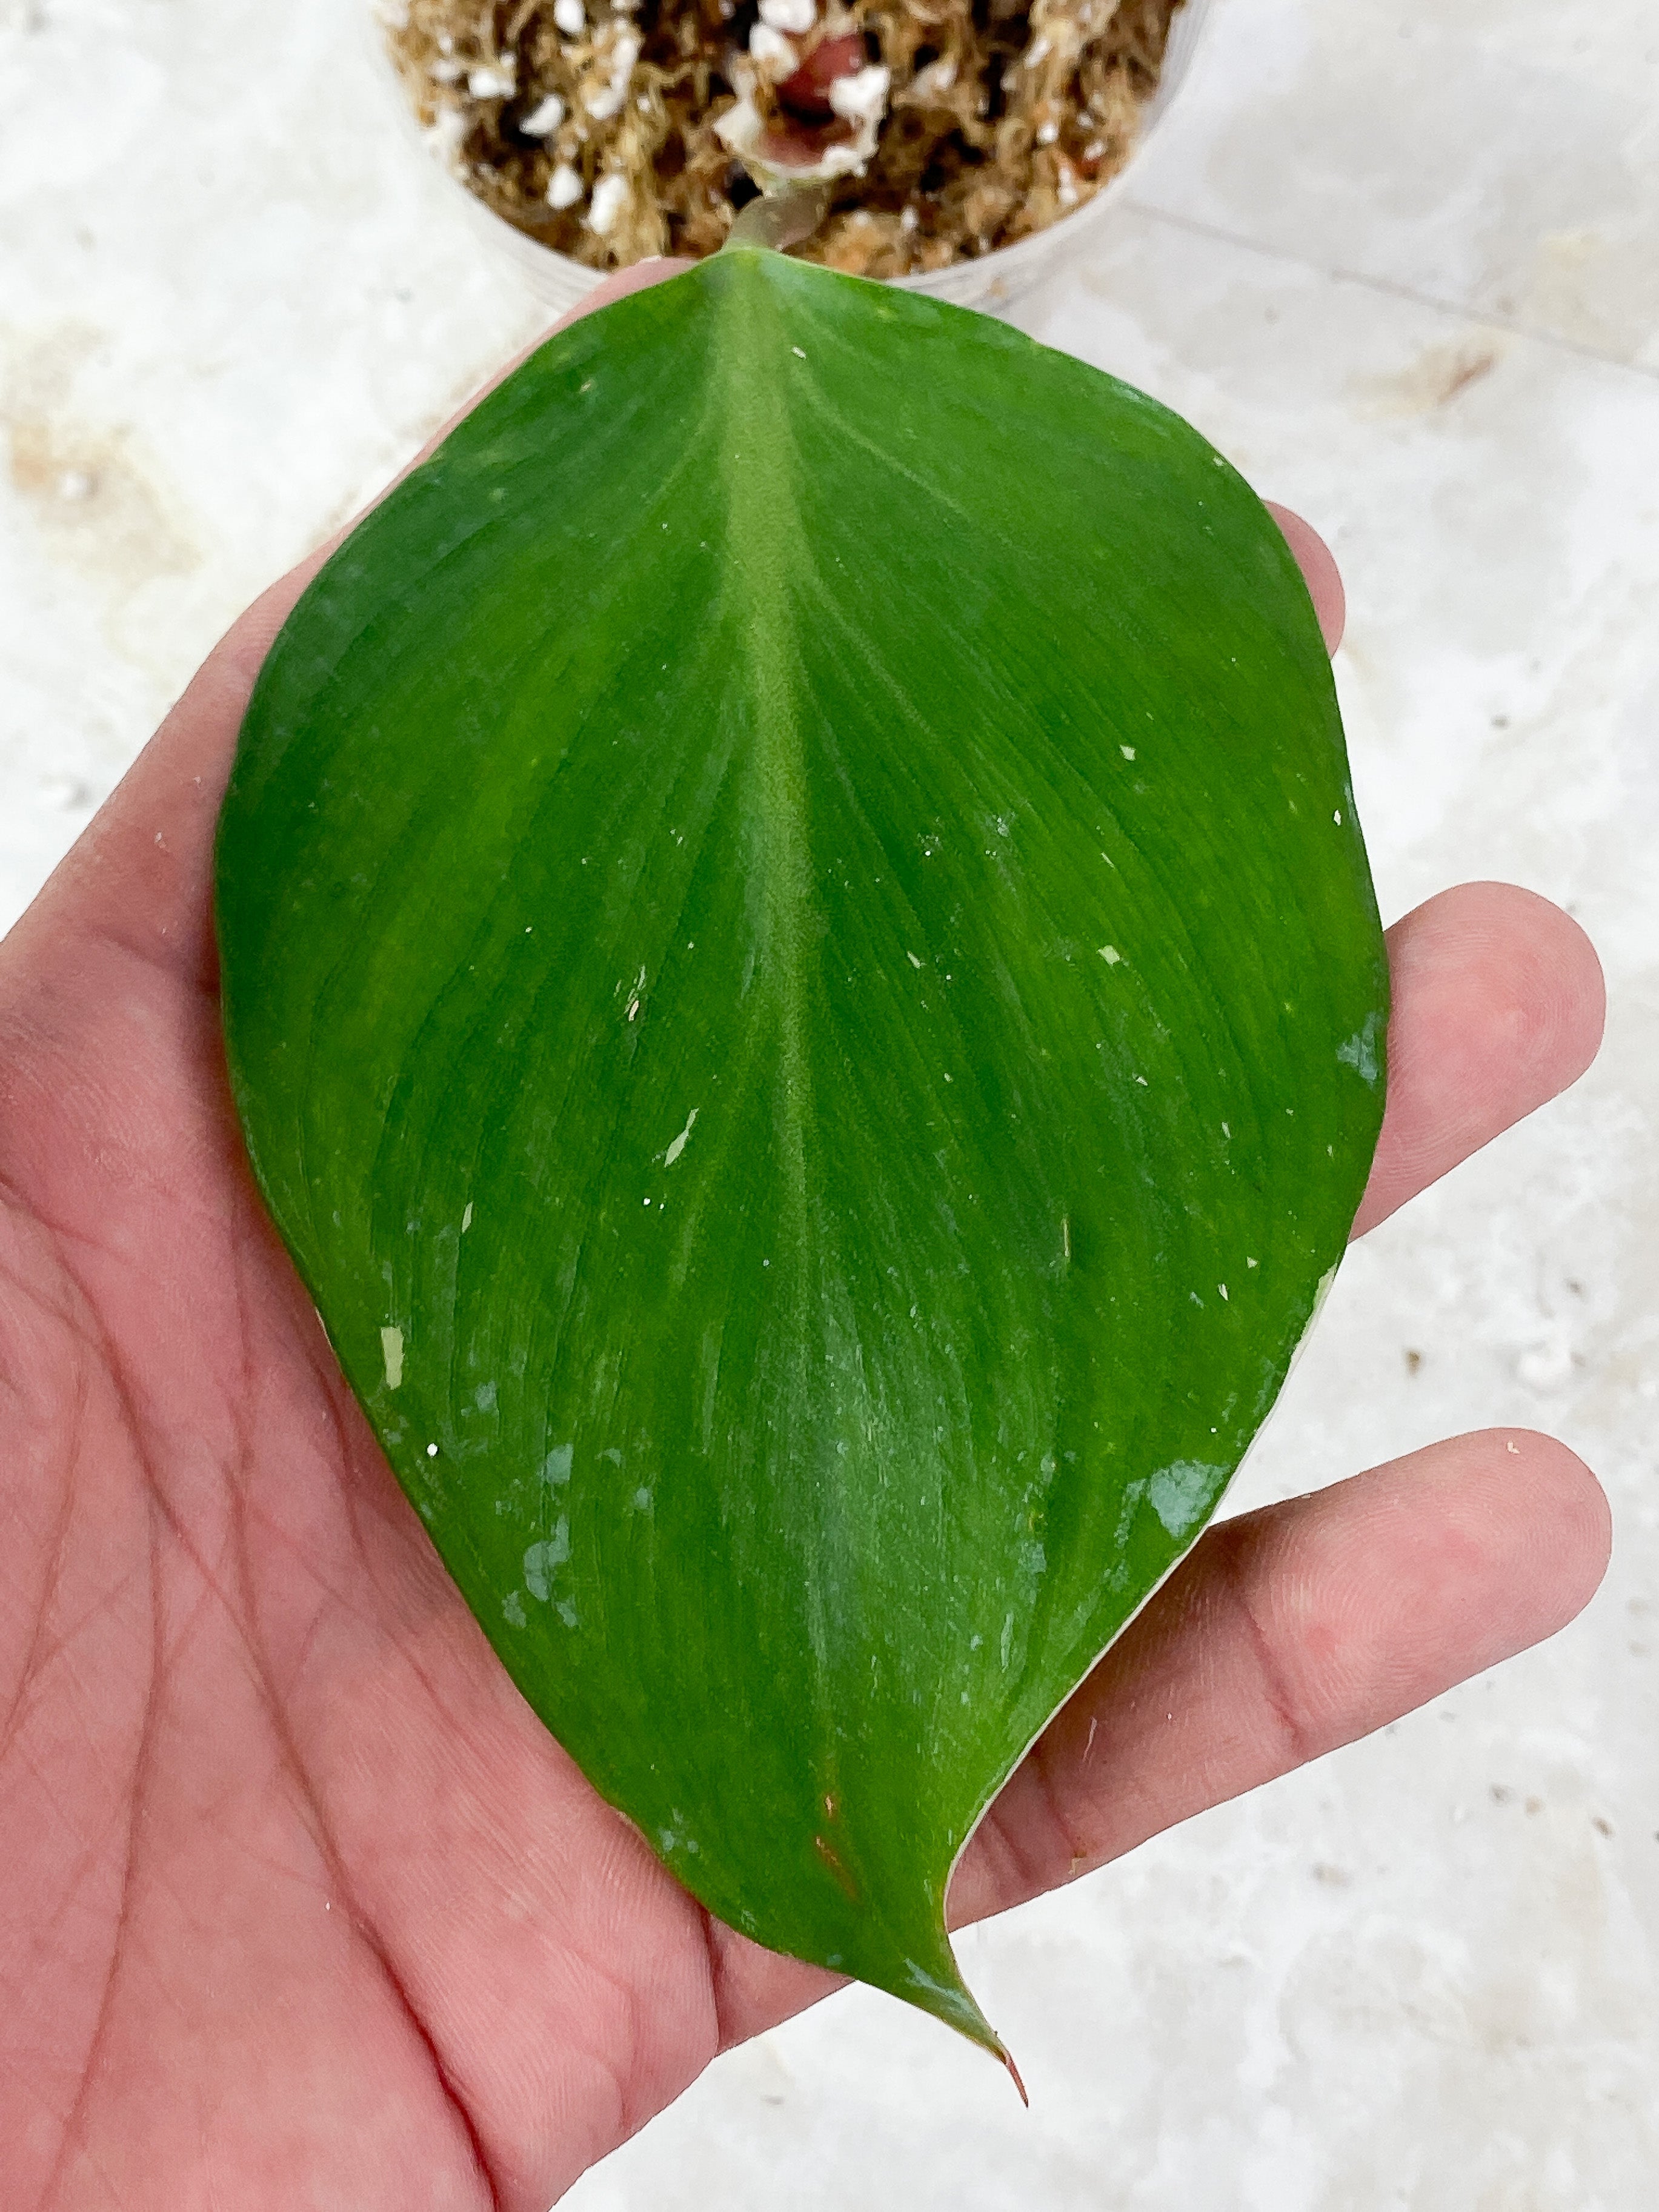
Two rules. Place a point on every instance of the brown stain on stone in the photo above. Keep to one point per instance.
(98, 507)
(1439, 375)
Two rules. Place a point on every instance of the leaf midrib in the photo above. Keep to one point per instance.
(767, 536)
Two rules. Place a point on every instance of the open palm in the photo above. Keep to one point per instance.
(300, 1905)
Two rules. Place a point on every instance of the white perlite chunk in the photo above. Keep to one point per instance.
(604, 104)
(861, 97)
(937, 78)
(792, 16)
(740, 127)
(545, 119)
(447, 135)
(571, 17)
(495, 80)
(772, 51)
(610, 198)
(564, 188)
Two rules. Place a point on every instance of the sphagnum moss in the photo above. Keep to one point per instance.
(591, 125)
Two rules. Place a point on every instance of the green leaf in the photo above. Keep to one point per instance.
(803, 987)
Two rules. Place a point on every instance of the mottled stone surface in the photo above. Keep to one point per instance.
(1402, 262)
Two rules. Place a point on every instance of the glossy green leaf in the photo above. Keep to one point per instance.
(803, 988)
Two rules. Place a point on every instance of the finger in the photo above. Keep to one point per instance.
(139, 875)
(1290, 1631)
(1498, 1005)
(1319, 570)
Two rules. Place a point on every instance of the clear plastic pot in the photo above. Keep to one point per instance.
(992, 282)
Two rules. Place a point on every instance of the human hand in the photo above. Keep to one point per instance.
(302, 1905)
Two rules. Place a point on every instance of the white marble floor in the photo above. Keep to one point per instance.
(1402, 261)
